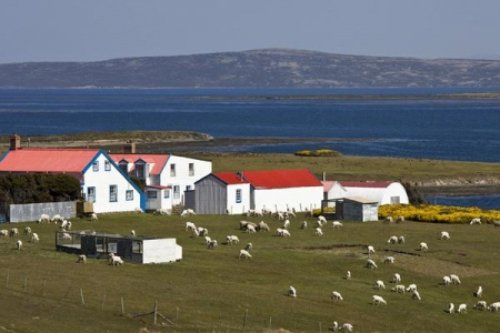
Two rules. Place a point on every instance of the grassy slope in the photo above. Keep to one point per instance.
(212, 289)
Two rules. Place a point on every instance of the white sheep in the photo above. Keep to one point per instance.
(401, 240)
(377, 300)
(202, 231)
(244, 254)
(163, 211)
(371, 249)
(212, 244)
(337, 224)
(292, 292)
(389, 260)
(262, 226)
(336, 296)
(249, 247)
(423, 246)
(400, 218)
(371, 264)
(115, 260)
(187, 212)
(400, 288)
(4, 233)
(444, 235)
(446, 280)
(475, 220)
(303, 225)
(230, 239)
(251, 228)
(93, 217)
(451, 308)
(462, 308)
(322, 219)
(132, 233)
(318, 231)
(57, 218)
(335, 326)
(14, 232)
(207, 240)
(190, 226)
(286, 224)
(35, 238)
(66, 236)
(27, 231)
(348, 275)
(392, 240)
(412, 287)
(82, 258)
(494, 307)
(389, 219)
(396, 278)
(416, 295)
(481, 305)
(479, 292)
(64, 224)
(195, 233)
(347, 328)
(19, 244)
(380, 284)
(44, 218)
(282, 232)
(455, 279)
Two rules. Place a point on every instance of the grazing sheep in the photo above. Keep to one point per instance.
(396, 278)
(322, 219)
(446, 280)
(377, 300)
(57, 218)
(494, 307)
(4, 232)
(207, 240)
(163, 211)
(244, 254)
(347, 328)
(280, 216)
(348, 275)
(451, 308)
(475, 220)
(455, 279)
(251, 228)
(212, 244)
(19, 244)
(371, 264)
(27, 231)
(286, 224)
(400, 218)
(35, 238)
(187, 212)
(380, 284)
(115, 260)
(202, 231)
(292, 292)
(399, 288)
(481, 305)
(336, 296)
(82, 258)
(320, 223)
(371, 249)
(68, 227)
(337, 224)
(132, 233)
(318, 231)
(424, 246)
(389, 260)
(195, 233)
(401, 240)
(496, 223)
(190, 226)
(66, 236)
(282, 232)
(412, 287)
(462, 308)
(479, 292)
(392, 240)
(335, 326)
(230, 239)
(64, 225)
(262, 226)
(249, 247)
(389, 219)
(93, 217)
(416, 295)
(444, 235)
(243, 224)
(14, 232)
(138, 210)
(303, 225)
(44, 218)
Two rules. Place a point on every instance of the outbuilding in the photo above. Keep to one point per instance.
(355, 209)
(383, 192)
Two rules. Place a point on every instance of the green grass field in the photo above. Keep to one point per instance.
(213, 291)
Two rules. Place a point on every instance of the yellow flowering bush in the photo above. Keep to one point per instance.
(438, 213)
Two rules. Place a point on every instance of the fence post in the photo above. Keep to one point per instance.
(81, 296)
(155, 314)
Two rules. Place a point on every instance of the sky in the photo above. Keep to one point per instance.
(91, 30)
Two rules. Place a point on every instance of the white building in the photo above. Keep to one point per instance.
(383, 192)
(166, 176)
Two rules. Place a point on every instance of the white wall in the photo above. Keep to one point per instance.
(101, 180)
(156, 251)
(300, 198)
(337, 191)
(395, 190)
(232, 206)
(382, 195)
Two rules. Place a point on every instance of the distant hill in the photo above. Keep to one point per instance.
(255, 68)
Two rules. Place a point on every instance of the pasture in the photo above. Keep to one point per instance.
(211, 290)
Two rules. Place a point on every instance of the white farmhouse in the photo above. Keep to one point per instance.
(383, 192)
(102, 181)
(166, 176)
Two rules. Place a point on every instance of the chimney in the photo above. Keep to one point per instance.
(15, 142)
(129, 148)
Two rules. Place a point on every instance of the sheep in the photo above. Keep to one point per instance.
(451, 308)
(249, 247)
(303, 225)
(212, 244)
(371, 249)
(68, 227)
(262, 226)
(251, 228)
(389, 260)
(190, 226)
(446, 280)
(132, 233)
(202, 231)
(401, 240)
(455, 279)
(423, 246)
(347, 328)
(292, 292)
(282, 232)
(494, 307)
(230, 239)
(336, 296)
(399, 288)
(35, 238)
(4, 232)
(322, 219)
(82, 258)
(475, 220)
(392, 240)
(19, 244)
(348, 275)
(379, 284)
(377, 300)
(138, 210)
(462, 308)
(400, 218)
(207, 240)
(44, 218)
(13, 232)
(57, 218)
(163, 211)
(496, 223)
(318, 232)
(93, 217)
(195, 233)
(280, 216)
(244, 254)
(479, 292)
(337, 224)
(416, 295)
(396, 278)
(389, 219)
(27, 231)
(371, 264)
(243, 224)
(64, 224)
(444, 235)
(187, 212)
(335, 326)
(66, 236)
(286, 224)
(481, 305)
(115, 260)
(320, 223)
(412, 287)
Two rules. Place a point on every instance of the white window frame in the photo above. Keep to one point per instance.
(113, 195)
(95, 166)
(129, 195)
(107, 166)
(176, 192)
(91, 198)
(238, 195)
(155, 197)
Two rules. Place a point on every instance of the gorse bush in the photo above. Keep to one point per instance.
(438, 213)
(318, 153)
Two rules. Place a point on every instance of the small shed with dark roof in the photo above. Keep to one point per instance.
(354, 209)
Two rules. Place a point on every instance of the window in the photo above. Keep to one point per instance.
(139, 170)
(91, 194)
(113, 193)
(129, 195)
(177, 192)
(95, 166)
(188, 187)
(395, 200)
(238, 196)
(172, 170)
(136, 247)
(107, 166)
(152, 194)
(124, 166)
(166, 194)
(191, 169)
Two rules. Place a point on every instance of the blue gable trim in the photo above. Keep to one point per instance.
(4, 155)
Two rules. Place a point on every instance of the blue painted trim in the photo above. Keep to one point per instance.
(4, 154)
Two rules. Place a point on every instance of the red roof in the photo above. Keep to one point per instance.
(230, 178)
(327, 185)
(47, 160)
(158, 160)
(281, 178)
(378, 184)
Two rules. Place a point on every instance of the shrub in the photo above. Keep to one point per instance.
(317, 153)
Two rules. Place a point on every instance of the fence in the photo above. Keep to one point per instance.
(32, 212)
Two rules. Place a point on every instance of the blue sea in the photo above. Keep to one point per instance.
(433, 129)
